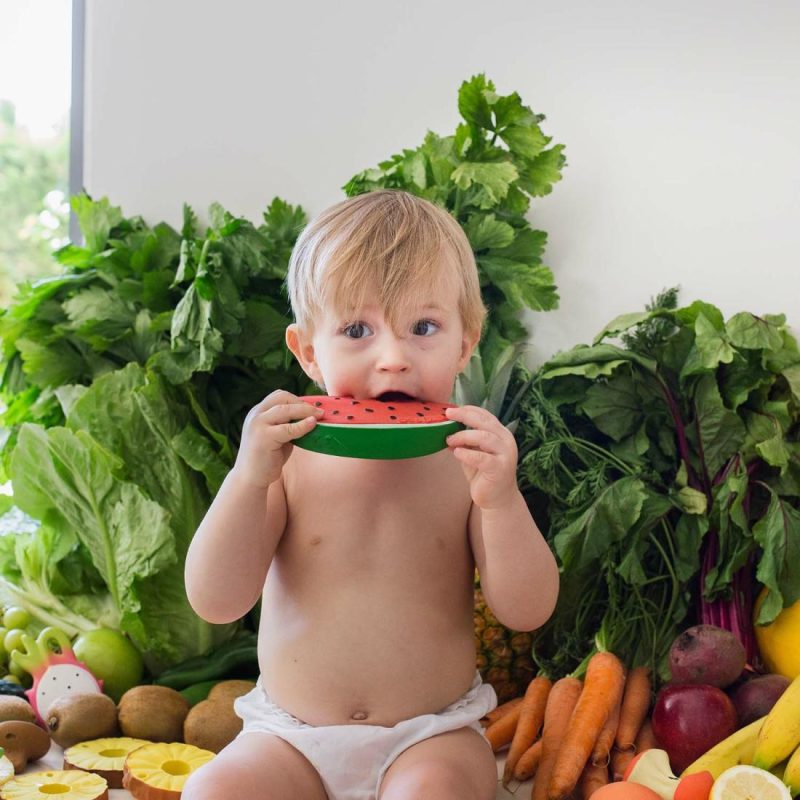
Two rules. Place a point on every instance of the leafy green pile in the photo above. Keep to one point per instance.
(126, 381)
(205, 309)
(667, 465)
(485, 175)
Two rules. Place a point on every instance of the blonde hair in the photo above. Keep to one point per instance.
(389, 242)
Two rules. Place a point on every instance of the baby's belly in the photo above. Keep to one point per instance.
(337, 657)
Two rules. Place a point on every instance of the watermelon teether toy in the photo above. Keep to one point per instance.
(55, 673)
(385, 429)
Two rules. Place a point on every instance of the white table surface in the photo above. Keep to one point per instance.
(54, 760)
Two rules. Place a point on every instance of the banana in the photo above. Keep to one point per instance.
(779, 736)
(791, 775)
(738, 748)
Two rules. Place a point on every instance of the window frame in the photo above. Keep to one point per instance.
(76, 111)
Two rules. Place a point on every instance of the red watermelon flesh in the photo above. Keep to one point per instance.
(348, 411)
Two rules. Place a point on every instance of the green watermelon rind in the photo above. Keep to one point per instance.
(379, 441)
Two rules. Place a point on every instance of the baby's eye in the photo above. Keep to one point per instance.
(425, 327)
(355, 330)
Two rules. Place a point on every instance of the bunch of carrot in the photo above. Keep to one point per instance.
(575, 734)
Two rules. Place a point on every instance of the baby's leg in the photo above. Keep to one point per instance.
(458, 765)
(256, 766)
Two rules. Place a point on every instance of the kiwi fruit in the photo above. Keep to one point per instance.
(153, 712)
(15, 708)
(230, 690)
(23, 742)
(211, 725)
(75, 718)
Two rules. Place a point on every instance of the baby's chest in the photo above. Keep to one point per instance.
(385, 511)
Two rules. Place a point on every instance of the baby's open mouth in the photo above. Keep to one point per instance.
(394, 397)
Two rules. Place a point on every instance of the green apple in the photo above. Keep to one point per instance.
(112, 658)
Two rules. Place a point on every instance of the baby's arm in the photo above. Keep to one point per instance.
(229, 556)
(519, 574)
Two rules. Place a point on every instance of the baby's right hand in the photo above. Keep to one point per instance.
(268, 431)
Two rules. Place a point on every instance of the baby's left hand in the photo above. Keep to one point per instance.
(488, 454)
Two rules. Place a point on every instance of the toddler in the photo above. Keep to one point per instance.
(368, 687)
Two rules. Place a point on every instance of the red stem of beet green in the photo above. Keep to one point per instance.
(734, 614)
(680, 431)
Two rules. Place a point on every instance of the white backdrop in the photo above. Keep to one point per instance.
(680, 122)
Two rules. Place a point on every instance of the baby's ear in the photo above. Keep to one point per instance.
(469, 342)
(303, 349)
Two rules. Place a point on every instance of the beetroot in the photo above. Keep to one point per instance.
(689, 719)
(706, 654)
(754, 698)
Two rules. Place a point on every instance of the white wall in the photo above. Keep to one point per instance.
(680, 121)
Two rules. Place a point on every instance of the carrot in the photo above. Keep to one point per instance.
(593, 777)
(645, 739)
(501, 733)
(604, 674)
(531, 715)
(619, 761)
(561, 703)
(500, 711)
(528, 762)
(635, 705)
(601, 754)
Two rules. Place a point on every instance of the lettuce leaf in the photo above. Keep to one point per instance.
(124, 484)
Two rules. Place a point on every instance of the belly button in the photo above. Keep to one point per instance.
(316, 540)
(360, 715)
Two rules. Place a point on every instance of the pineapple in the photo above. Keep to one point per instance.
(504, 656)
(104, 757)
(67, 784)
(159, 771)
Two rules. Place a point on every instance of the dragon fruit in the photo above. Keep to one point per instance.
(55, 670)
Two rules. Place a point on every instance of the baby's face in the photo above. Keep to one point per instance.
(361, 356)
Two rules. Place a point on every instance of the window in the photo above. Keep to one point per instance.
(35, 95)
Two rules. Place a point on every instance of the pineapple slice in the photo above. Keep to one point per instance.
(159, 771)
(67, 784)
(104, 757)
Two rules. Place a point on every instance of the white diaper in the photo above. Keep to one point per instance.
(352, 759)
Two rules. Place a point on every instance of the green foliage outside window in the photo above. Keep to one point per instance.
(33, 196)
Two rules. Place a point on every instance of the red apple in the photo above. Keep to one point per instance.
(689, 719)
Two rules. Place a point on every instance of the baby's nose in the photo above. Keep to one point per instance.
(392, 357)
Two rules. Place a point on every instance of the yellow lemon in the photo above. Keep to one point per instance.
(744, 782)
(779, 642)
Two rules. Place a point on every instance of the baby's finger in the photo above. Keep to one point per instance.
(474, 417)
(278, 397)
(484, 440)
(292, 430)
(288, 412)
(474, 458)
